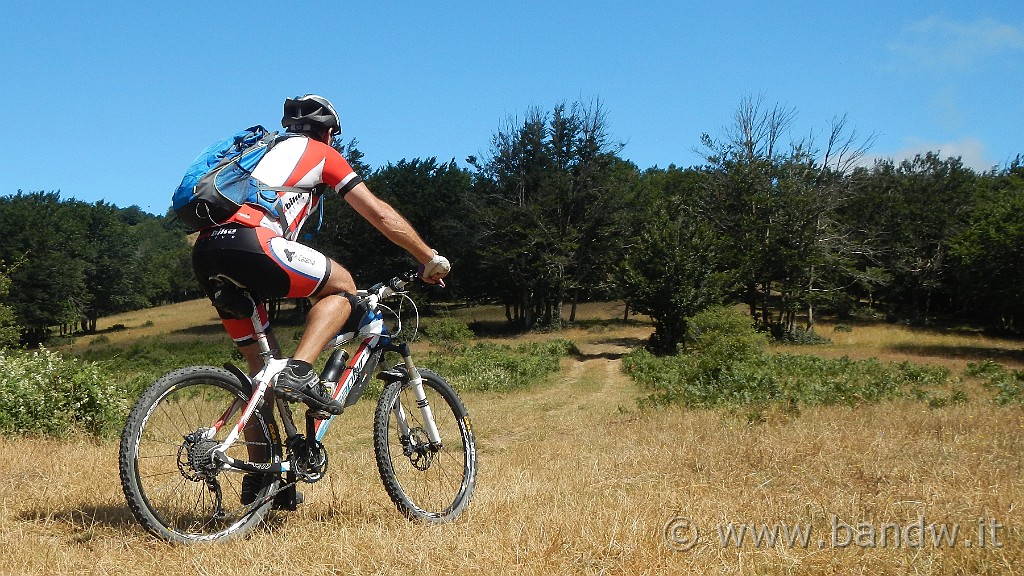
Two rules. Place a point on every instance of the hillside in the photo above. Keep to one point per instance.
(575, 480)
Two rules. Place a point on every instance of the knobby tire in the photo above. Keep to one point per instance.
(168, 481)
(425, 485)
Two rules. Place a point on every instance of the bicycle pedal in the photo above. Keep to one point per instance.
(318, 414)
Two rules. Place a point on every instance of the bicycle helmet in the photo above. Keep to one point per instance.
(310, 113)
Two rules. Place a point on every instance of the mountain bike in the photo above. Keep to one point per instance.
(202, 458)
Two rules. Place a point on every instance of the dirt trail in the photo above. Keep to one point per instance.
(588, 392)
(597, 371)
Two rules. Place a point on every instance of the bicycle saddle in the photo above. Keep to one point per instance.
(231, 299)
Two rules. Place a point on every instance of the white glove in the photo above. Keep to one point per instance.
(437, 268)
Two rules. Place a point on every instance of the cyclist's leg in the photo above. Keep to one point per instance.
(331, 308)
(241, 332)
(311, 275)
(277, 267)
(251, 351)
(235, 252)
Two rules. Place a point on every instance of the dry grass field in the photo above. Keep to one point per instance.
(575, 480)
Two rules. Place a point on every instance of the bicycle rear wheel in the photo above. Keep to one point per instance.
(428, 483)
(172, 484)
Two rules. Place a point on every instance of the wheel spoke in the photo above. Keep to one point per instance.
(174, 486)
(429, 484)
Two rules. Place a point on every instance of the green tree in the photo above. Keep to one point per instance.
(551, 195)
(10, 331)
(773, 206)
(671, 271)
(48, 236)
(78, 262)
(113, 278)
(986, 254)
(163, 258)
(918, 207)
(431, 195)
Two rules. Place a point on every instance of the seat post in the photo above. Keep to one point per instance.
(260, 335)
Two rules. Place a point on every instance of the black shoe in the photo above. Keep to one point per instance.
(287, 499)
(306, 389)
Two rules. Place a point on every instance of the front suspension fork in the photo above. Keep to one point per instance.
(426, 415)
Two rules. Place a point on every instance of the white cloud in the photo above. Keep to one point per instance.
(942, 43)
(970, 150)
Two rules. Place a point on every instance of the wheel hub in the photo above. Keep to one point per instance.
(418, 449)
(195, 457)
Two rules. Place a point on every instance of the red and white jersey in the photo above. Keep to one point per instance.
(298, 162)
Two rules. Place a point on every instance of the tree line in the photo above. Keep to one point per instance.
(69, 263)
(552, 215)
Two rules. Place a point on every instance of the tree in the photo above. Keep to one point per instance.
(986, 254)
(431, 195)
(77, 262)
(773, 208)
(671, 271)
(919, 206)
(551, 195)
(163, 258)
(47, 236)
(113, 276)
(434, 197)
(10, 331)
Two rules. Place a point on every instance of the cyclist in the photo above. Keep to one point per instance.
(258, 251)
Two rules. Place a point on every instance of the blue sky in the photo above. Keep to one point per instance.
(111, 100)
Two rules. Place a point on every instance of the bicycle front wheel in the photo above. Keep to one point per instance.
(173, 485)
(428, 482)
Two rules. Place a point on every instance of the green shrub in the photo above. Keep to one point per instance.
(499, 367)
(726, 366)
(721, 336)
(784, 378)
(1008, 384)
(448, 333)
(44, 393)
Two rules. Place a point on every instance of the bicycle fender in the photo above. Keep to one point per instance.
(389, 376)
(243, 379)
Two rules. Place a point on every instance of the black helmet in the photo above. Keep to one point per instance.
(309, 113)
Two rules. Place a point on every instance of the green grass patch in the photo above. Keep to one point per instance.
(493, 367)
(142, 362)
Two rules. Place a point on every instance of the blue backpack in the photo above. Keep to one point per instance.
(220, 181)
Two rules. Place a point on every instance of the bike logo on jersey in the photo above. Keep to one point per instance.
(293, 256)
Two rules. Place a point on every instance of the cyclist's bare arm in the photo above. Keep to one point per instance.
(389, 222)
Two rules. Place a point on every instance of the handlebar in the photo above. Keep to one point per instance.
(371, 298)
(383, 290)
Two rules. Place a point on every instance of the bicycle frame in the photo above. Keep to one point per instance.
(203, 458)
(376, 342)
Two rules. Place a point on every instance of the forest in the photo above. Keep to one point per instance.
(553, 215)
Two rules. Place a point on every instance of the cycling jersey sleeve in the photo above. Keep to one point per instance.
(337, 173)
